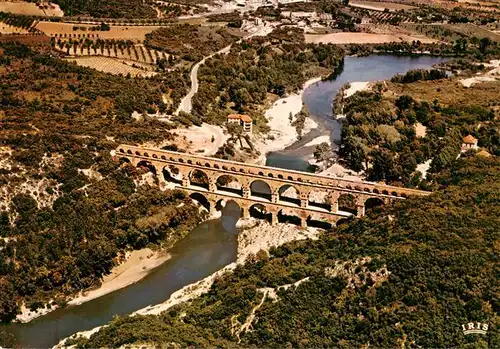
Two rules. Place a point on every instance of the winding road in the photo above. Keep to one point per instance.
(186, 103)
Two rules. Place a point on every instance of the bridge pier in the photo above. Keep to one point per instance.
(246, 191)
(246, 174)
(360, 210)
(245, 213)
(274, 197)
(274, 218)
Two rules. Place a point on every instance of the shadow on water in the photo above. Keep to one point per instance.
(207, 248)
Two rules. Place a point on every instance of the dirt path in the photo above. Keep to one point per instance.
(186, 103)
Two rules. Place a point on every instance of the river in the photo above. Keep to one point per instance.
(319, 97)
(211, 245)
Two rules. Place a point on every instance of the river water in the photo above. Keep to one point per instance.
(319, 97)
(212, 244)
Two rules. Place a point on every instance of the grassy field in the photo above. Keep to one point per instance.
(31, 9)
(451, 92)
(66, 30)
(452, 32)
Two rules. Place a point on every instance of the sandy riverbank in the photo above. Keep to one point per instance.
(490, 76)
(137, 265)
(337, 170)
(259, 235)
(282, 133)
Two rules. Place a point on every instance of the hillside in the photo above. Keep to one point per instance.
(408, 276)
(68, 210)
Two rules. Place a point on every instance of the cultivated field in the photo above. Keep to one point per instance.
(31, 8)
(66, 30)
(380, 6)
(111, 65)
(9, 29)
(363, 38)
(138, 53)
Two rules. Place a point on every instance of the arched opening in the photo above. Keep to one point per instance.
(288, 218)
(260, 189)
(347, 204)
(198, 179)
(343, 221)
(124, 160)
(172, 174)
(316, 221)
(288, 193)
(259, 211)
(201, 199)
(373, 204)
(231, 213)
(146, 166)
(229, 184)
(319, 199)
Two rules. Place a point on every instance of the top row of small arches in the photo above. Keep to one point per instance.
(260, 173)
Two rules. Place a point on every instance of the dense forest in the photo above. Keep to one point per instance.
(67, 208)
(108, 8)
(191, 42)
(380, 131)
(408, 275)
(242, 80)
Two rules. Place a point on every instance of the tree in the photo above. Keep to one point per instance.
(324, 153)
(234, 129)
(8, 304)
(484, 44)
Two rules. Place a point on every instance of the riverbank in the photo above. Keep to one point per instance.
(255, 235)
(337, 170)
(137, 265)
(283, 133)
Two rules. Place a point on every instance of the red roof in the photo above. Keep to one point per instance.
(470, 140)
(244, 118)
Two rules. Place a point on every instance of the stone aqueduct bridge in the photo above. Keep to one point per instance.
(186, 170)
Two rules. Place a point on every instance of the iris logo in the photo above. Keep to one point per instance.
(475, 327)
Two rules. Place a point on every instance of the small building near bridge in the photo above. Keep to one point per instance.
(244, 120)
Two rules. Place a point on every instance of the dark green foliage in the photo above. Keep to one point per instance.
(242, 79)
(69, 247)
(379, 136)
(108, 8)
(419, 74)
(440, 253)
(190, 42)
(57, 119)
